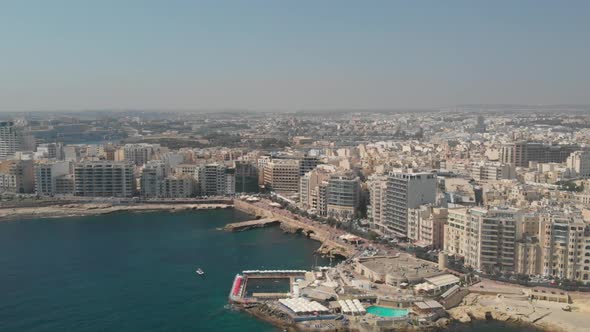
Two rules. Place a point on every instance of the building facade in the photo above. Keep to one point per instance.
(405, 191)
(104, 179)
(46, 174)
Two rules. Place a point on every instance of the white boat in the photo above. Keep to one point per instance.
(200, 272)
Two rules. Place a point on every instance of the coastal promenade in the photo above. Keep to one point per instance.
(290, 222)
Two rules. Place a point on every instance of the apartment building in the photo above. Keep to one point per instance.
(17, 176)
(342, 195)
(426, 226)
(376, 208)
(152, 175)
(216, 180)
(579, 162)
(485, 238)
(406, 190)
(11, 139)
(104, 179)
(282, 175)
(312, 190)
(46, 174)
(565, 244)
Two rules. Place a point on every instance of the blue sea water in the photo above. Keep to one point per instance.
(136, 272)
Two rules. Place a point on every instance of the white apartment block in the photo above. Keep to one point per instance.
(405, 191)
(46, 174)
(485, 238)
(11, 139)
(579, 162)
(104, 179)
(376, 209)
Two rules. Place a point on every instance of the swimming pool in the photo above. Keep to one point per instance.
(386, 312)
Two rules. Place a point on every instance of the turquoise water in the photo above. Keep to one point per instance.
(387, 312)
(135, 272)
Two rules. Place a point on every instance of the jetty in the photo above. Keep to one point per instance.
(250, 224)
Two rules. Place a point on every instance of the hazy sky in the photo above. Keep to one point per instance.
(276, 54)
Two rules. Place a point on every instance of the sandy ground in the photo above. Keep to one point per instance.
(85, 209)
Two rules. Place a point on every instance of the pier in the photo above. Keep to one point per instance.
(246, 225)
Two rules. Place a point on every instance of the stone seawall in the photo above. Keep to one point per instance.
(292, 225)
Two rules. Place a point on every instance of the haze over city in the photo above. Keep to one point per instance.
(314, 166)
(275, 55)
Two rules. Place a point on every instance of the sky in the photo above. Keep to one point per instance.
(291, 55)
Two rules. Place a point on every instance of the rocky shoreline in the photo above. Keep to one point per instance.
(90, 209)
(543, 315)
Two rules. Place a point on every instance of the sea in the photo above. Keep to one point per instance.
(136, 272)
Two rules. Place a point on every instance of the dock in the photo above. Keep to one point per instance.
(246, 225)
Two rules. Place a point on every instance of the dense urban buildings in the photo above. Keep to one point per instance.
(497, 194)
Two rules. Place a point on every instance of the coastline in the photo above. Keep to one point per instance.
(58, 210)
(506, 305)
(509, 303)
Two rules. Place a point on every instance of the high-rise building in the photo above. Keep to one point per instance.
(246, 177)
(46, 174)
(377, 200)
(216, 180)
(104, 179)
(406, 190)
(152, 175)
(565, 245)
(343, 195)
(282, 175)
(485, 238)
(579, 162)
(11, 139)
